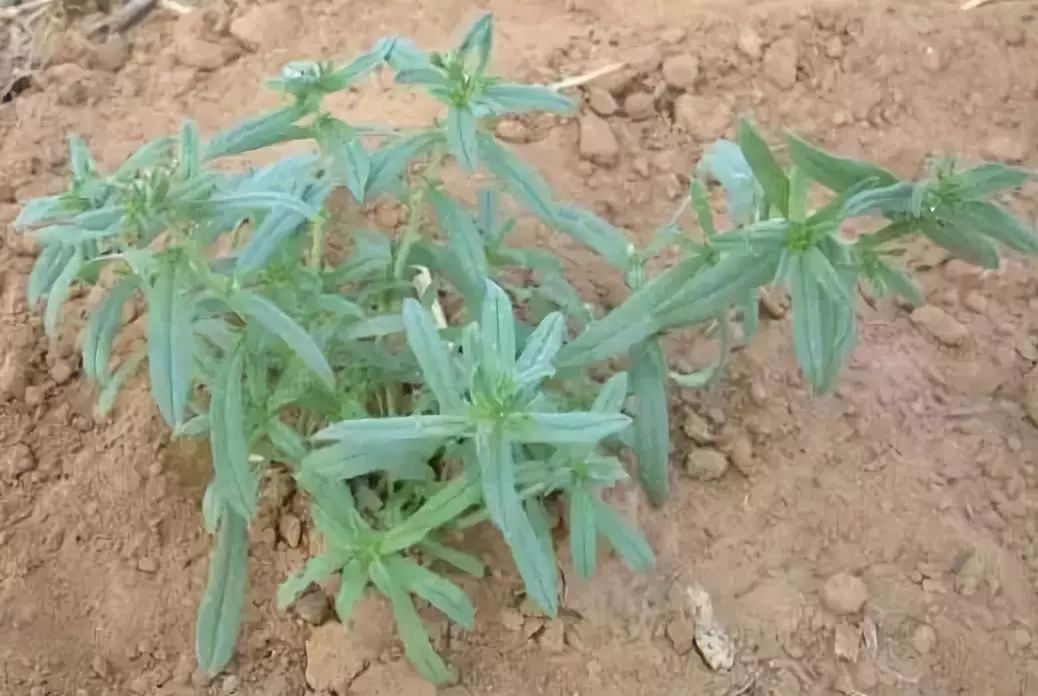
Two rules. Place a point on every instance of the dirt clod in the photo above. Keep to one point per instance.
(110, 55)
(61, 371)
(639, 106)
(334, 658)
(780, 63)
(750, 43)
(601, 101)
(312, 607)
(945, 328)
(681, 71)
(393, 679)
(267, 26)
(706, 464)
(924, 639)
(290, 528)
(844, 593)
(681, 634)
(17, 460)
(513, 131)
(553, 638)
(598, 143)
(197, 43)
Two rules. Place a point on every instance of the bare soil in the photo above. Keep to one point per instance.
(879, 541)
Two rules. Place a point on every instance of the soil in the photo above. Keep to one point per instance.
(879, 541)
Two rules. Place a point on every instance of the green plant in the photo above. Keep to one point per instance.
(287, 331)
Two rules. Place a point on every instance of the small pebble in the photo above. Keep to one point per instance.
(706, 464)
(844, 593)
(924, 638)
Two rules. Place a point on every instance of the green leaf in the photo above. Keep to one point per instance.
(963, 243)
(271, 318)
(497, 467)
(497, 331)
(219, 616)
(374, 431)
(410, 628)
(808, 337)
(190, 161)
(390, 162)
(235, 479)
(106, 399)
(357, 165)
(406, 460)
(766, 170)
(543, 344)
(277, 225)
(444, 506)
(49, 265)
(532, 551)
(426, 76)
(59, 292)
(461, 137)
(358, 67)
(247, 202)
(404, 55)
(509, 98)
(101, 329)
(994, 221)
(611, 396)
(432, 355)
(147, 156)
(274, 127)
(608, 241)
(525, 185)
(371, 327)
(435, 589)
(582, 532)
(724, 162)
(42, 209)
(986, 179)
(474, 49)
(80, 161)
(212, 508)
(566, 428)
(465, 562)
(313, 571)
(702, 207)
(170, 341)
(351, 588)
(886, 279)
(836, 173)
(625, 539)
(893, 200)
(464, 242)
(651, 434)
(799, 185)
(821, 268)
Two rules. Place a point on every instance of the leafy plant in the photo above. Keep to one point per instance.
(287, 331)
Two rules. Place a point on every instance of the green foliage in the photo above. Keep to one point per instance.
(404, 424)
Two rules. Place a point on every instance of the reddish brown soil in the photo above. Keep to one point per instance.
(918, 477)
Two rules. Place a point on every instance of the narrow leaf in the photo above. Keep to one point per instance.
(59, 292)
(170, 341)
(766, 170)
(465, 562)
(443, 507)
(219, 616)
(543, 344)
(101, 329)
(497, 329)
(566, 428)
(235, 479)
(313, 571)
(432, 355)
(836, 173)
(525, 185)
(532, 551)
(351, 588)
(651, 432)
(624, 538)
(373, 431)
(461, 137)
(582, 532)
(509, 98)
(435, 589)
(270, 128)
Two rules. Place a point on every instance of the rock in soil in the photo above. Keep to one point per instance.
(553, 638)
(714, 643)
(601, 101)
(197, 43)
(312, 607)
(706, 464)
(681, 633)
(597, 141)
(924, 638)
(17, 460)
(780, 63)
(291, 529)
(941, 325)
(846, 642)
(267, 26)
(681, 71)
(514, 131)
(844, 593)
(334, 658)
(110, 55)
(704, 117)
(639, 106)
(750, 43)
(698, 429)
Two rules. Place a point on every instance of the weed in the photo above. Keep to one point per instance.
(405, 425)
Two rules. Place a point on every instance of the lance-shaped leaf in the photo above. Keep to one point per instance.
(374, 431)
(351, 588)
(465, 562)
(390, 162)
(313, 571)
(463, 241)
(235, 479)
(582, 532)
(355, 165)
(609, 241)
(533, 553)
(571, 428)
(444, 506)
(543, 344)
(219, 616)
(508, 98)
(435, 589)
(49, 265)
(525, 185)
(407, 460)
(271, 318)
(651, 434)
(170, 340)
(410, 627)
(986, 179)
(961, 241)
(432, 355)
(497, 471)
(462, 140)
(724, 162)
(497, 331)
(625, 539)
(358, 67)
(994, 221)
(836, 173)
(274, 127)
(101, 329)
(59, 292)
(405, 55)
(767, 171)
(474, 49)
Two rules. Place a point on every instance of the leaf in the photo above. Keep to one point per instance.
(253, 134)
(374, 431)
(808, 338)
(531, 546)
(887, 280)
(766, 170)
(390, 162)
(101, 329)
(702, 207)
(357, 165)
(371, 327)
(608, 241)
(426, 76)
(351, 588)
(651, 433)
(994, 221)
(497, 331)
(465, 562)
(410, 628)
(147, 156)
(543, 344)
(212, 508)
(443, 507)
(345, 460)
(510, 98)
(190, 161)
(359, 66)
(986, 179)
(836, 173)
(106, 399)
(724, 162)
(432, 355)
(474, 49)
(566, 428)
(404, 55)
(271, 318)
(893, 200)
(313, 571)
(626, 540)
(497, 468)
(42, 209)
(821, 268)
(235, 479)
(525, 185)
(963, 243)
(611, 396)
(247, 202)
(170, 341)
(461, 137)
(49, 264)
(59, 291)
(219, 616)
(582, 532)
(799, 185)
(435, 589)
(80, 161)
(464, 242)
